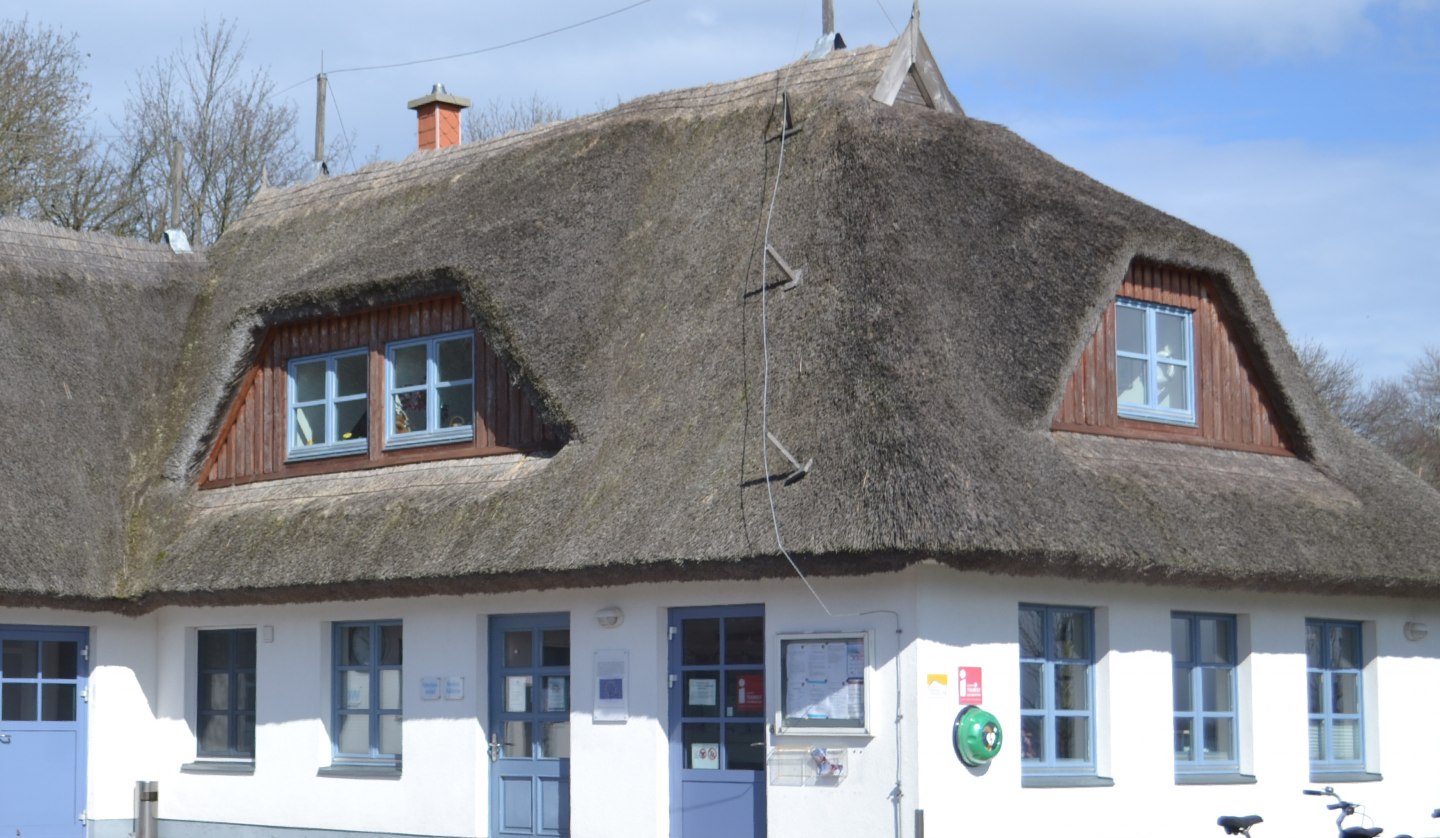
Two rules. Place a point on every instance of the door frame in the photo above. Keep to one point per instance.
(81, 724)
(675, 713)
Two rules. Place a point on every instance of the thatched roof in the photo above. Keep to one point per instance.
(952, 274)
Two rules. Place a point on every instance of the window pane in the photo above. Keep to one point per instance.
(555, 694)
(214, 734)
(1032, 633)
(60, 659)
(555, 647)
(1032, 737)
(245, 648)
(745, 747)
(1314, 681)
(309, 381)
(519, 649)
(215, 691)
(409, 365)
(1130, 329)
(555, 740)
(1344, 647)
(244, 691)
(1032, 686)
(1216, 640)
(1184, 739)
(390, 734)
(1172, 387)
(355, 646)
(517, 693)
(1071, 632)
(1180, 639)
(351, 419)
(1182, 690)
(1345, 739)
(1317, 739)
(1130, 381)
(1312, 646)
(701, 744)
(309, 425)
(1072, 687)
(245, 736)
(1216, 687)
(214, 649)
(1072, 738)
(702, 693)
(389, 689)
(1170, 336)
(745, 640)
(350, 375)
(410, 414)
(701, 642)
(517, 739)
(1346, 688)
(356, 690)
(457, 405)
(21, 659)
(354, 734)
(17, 703)
(391, 651)
(57, 702)
(1220, 739)
(456, 359)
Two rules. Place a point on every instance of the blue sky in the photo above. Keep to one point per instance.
(1306, 131)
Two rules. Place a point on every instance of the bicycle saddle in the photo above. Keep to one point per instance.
(1361, 832)
(1233, 824)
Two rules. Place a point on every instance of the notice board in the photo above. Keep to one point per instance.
(824, 680)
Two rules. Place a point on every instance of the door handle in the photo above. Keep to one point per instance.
(4, 739)
(495, 746)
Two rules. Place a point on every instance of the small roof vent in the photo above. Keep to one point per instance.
(178, 241)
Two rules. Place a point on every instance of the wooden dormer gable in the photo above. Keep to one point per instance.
(1205, 390)
(384, 415)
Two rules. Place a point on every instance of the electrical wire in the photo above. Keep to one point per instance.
(349, 157)
(887, 16)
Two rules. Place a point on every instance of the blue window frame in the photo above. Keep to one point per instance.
(225, 721)
(430, 390)
(366, 693)
(1203, 649)
(1057, 715)
(1154, 370)
(329, 405)
(1334, 671)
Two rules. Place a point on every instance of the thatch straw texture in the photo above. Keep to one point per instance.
(952, 274)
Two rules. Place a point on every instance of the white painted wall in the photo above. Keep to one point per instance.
(142, 715)
(972, 620)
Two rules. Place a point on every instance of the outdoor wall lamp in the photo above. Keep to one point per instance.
(1416, 631)
(609, 618)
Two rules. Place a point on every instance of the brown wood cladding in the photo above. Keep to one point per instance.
(251, 443)
(1232, 407)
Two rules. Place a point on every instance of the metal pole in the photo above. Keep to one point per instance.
(320, 81)
(177, 162)
(827, 16)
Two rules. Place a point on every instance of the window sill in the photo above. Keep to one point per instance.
(1344, 777)
(383, 770)
(1200, 779)
(203, 766)
(1065, 781)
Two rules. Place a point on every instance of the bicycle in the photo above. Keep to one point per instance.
(1346, 809)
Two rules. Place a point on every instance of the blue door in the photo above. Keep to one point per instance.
(717, 722)
(42, 731)
(530, 725)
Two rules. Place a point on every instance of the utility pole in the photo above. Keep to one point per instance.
(320, 167)
(827, 16)
(177, 162)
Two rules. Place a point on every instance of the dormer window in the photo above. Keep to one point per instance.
(329, 405)
(1154, 378)
(405, 383)
(430, 388)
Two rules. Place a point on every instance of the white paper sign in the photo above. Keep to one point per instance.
(703, 692)
(705, 755)
(612, 703)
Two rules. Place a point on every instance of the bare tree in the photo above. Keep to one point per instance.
(1337, 381)
(232, 136)
(497, 118)
(42, 111)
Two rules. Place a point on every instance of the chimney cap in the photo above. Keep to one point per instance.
(439, 95)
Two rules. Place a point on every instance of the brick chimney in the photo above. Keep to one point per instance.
(438, 115)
